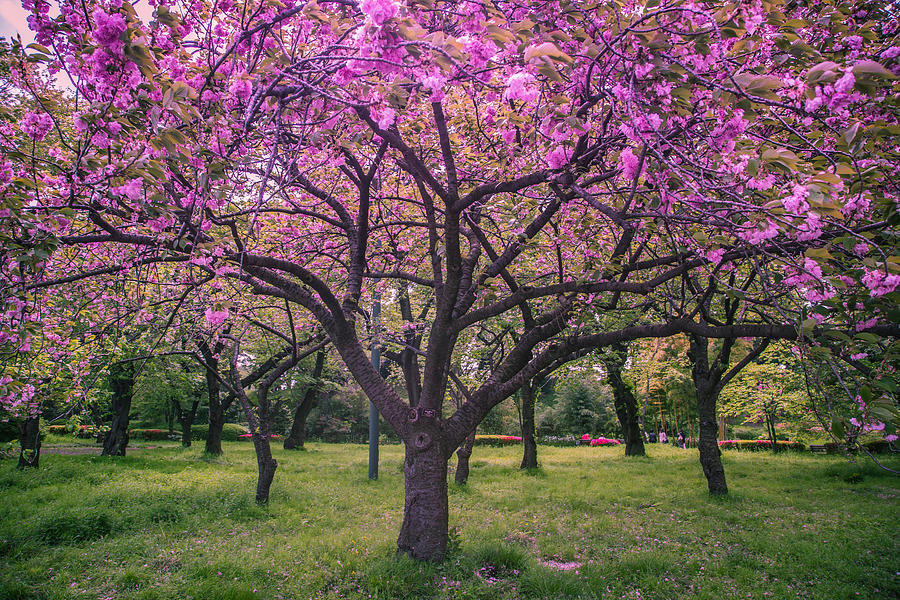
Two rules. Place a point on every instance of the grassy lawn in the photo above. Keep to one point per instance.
(165, 523)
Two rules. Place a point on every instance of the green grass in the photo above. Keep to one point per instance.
(167, 523)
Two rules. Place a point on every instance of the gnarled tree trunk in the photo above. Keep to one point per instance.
(529, 451)
(29, 442)
(424, 533)
(624, 401)
(710, 455)
(121, 382)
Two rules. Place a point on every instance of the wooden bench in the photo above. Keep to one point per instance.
(818, 449)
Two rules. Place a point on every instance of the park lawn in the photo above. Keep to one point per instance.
(167, 523)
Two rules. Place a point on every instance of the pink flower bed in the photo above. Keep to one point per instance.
(604, 442)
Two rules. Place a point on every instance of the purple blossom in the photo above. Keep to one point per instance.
(108, 30)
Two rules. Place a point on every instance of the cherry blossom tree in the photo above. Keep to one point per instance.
(520, 166)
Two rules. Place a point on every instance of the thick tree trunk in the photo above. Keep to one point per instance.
(216, 409)
(266, 466)
(29, 442)
(529, 451)
(122, 384)
(625, 404)
(297, 435)
(423, 535)
(463, 453)
(710, 455)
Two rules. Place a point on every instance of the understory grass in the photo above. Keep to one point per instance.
(169, 523)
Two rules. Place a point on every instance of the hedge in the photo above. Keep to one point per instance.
(497, 440)
(148, 434)
(231, 432)
(754, 445)
(82, 431)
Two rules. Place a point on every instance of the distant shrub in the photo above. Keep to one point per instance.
(231, 432)
(877, 446)
(149, 434)
(754, 445)
(497, 440)
(8, 431)
(558, 440)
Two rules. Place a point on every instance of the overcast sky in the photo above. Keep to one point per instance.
(12, 21)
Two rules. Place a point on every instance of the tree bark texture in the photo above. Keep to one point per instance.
(121, 382)
(462, 459)
(529, 450)
(424, 533)
(625, 403)
(29, 442)
(216, 407)
(266, 466)
(707, 394)
(297, 436)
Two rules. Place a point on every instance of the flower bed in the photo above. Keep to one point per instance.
(82, 431)
(558, 440)
(604, 442)
(754, 445)
(247, 437)
(497, 440)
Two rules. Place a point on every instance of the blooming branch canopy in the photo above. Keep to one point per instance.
(509, 167)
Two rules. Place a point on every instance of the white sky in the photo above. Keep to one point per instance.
(12, 21)
(13, 18)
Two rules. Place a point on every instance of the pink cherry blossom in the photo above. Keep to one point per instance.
(521, 86)
(379, 11)
(628, 162)
(879, 282)
(216, 317)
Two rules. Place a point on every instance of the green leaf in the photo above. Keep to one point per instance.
(823, 72)
(781, 156)
(872, 68)
(759, 85)
(837, 428)
(851, 133)
(548, 50)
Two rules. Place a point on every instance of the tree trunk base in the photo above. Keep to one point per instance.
(462, 463)
(29, 443)
(424, 533)
(293, 444)
(266, 466)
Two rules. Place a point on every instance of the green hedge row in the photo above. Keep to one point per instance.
(754, 445)
(230, 432)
